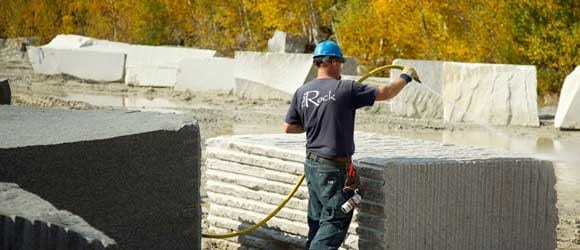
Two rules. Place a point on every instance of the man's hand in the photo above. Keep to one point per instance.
(412, 73)
(388, 91)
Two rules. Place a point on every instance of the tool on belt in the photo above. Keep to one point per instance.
(352, 182)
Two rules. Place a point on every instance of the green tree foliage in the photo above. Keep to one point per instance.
(543, 33)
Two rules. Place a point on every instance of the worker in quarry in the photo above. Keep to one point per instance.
(325, 109)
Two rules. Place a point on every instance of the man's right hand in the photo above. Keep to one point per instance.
(411, 72)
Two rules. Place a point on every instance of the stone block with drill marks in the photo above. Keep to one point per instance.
(418, 195)
(498, 94)
(420, 100)
(133, 175)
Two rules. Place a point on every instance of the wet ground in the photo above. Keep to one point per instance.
(222, 113)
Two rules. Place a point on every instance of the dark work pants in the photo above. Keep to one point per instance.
(327, 224)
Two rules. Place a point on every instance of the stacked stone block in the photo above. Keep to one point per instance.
(418, 195)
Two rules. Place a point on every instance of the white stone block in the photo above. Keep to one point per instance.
(568, 113)
(215, 73)
(350, 66)
(429, 72)
(64, 41)
(284, 43)
(277, 71)
(84, 64)
(157, 65)
(44, 61)
(108, 46)
(497, 94)
(420, 100)
(255, 90)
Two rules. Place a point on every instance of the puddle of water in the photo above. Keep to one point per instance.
(161, 105)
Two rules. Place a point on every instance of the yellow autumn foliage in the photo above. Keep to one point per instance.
(543, 33)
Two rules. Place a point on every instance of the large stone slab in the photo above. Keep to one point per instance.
(279, 71)
(67, 41)
(133, 175)
(474, 204)
(28, 220)
(90, 65)
(282, 42)
(568, 113)
(255, 90)
(420, 100)
(215, 73)
(498, 94)
(436, 193)
(157, 65)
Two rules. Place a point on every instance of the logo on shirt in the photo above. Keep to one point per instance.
(313, 97)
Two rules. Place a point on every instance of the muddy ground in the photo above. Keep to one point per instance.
(222, 113)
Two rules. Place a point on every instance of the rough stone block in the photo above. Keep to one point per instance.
(568, 113)
(44, 61)
(284, 43)
(213, 73)
(497, 94)
(279, 71)
(420, 100)
(108, 46)
(157, 65)
(350, 66)
(84, 64)
(65, 41)
(32, 216)
(418, 194)
(255, 90)
(133, 175)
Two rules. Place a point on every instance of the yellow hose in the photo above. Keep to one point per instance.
(263, 221)
(374, 71)
(293, 191)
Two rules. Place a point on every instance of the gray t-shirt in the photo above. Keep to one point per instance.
(326, 109)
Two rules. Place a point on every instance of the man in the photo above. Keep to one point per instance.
(325, 108)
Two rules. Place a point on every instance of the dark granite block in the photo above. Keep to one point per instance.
(133, 175)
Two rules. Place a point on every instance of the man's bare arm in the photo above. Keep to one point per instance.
(388, 91)
(293, 128)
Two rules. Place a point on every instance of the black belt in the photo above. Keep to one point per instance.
(338, 161)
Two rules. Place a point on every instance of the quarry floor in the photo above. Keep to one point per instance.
(222, 113)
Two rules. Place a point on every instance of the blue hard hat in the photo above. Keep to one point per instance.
(328, 48)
